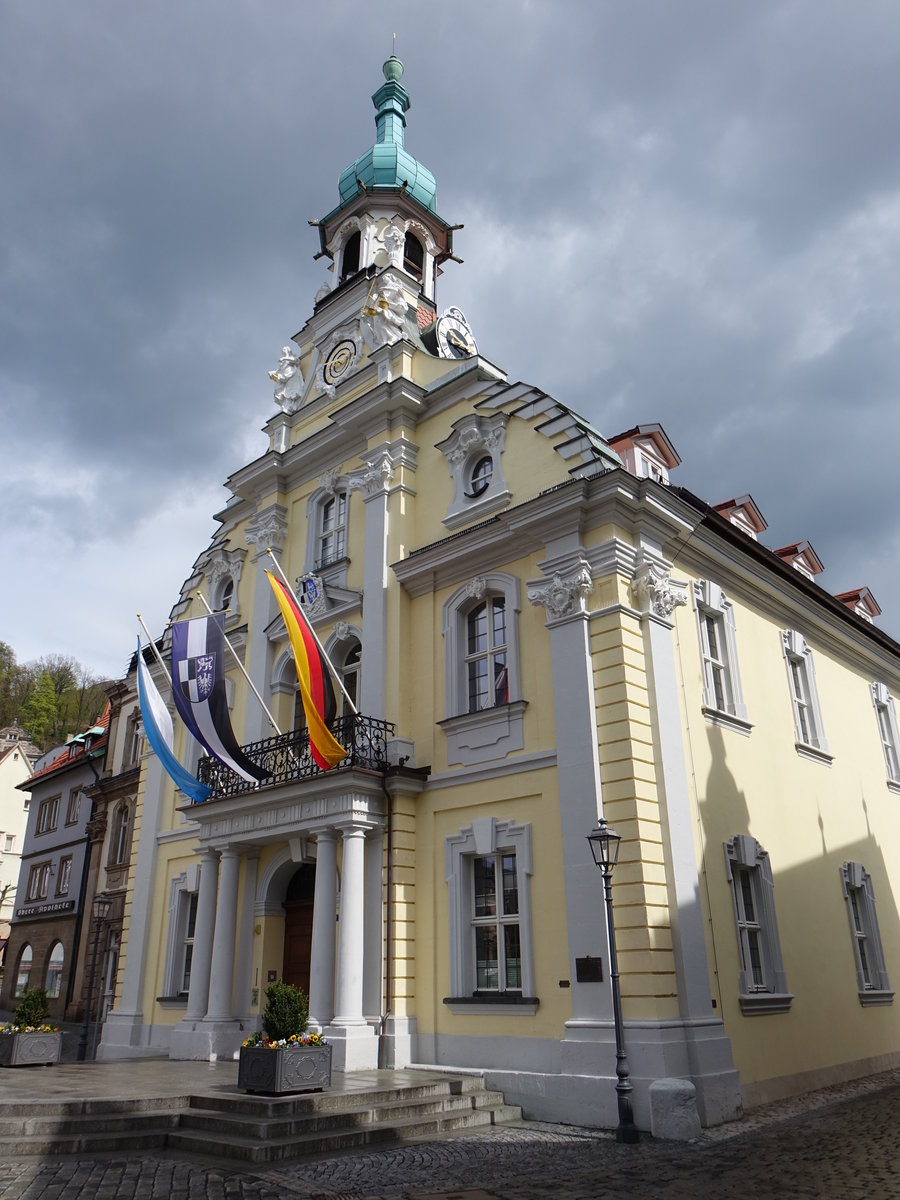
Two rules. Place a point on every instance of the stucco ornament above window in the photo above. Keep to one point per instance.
(374, 478)
(563, 595)
(288, 379)
(474, 455)
(653, 590)
(268, 528)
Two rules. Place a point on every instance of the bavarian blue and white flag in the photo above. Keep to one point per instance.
(198, 686)
(160, 735)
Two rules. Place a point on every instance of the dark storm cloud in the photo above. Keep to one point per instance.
(679, 212)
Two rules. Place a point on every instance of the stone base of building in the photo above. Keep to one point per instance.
(398, 1042)
(354, 1047)
(573, 1080)
(126, 1036)
(207, 1040)
(766, 1090)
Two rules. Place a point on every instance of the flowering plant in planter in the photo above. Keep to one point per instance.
(31, 1015)
(29, 1039)
(286, 1057)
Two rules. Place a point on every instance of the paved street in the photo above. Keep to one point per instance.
(842, 1144)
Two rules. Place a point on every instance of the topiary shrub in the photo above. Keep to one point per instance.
(33, 1009)
(287, 1011)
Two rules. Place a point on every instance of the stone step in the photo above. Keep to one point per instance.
(258, 1125)
(251, 1128)
(338, 1139)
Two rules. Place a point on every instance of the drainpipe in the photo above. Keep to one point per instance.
(389, 923)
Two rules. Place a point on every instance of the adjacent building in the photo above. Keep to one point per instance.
(537, 627)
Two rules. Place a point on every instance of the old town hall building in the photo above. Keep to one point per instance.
(538, 627)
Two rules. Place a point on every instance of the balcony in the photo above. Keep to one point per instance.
(289, 760)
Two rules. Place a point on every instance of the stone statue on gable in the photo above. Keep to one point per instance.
(289, 380)
(383, 315)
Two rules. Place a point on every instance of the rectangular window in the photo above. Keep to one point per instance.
(887, 730)
(332, 539)
(762, 983)
(39, 881)
(498, 955)
(10, 843)
(486, 663)
(723, 700)
(48, 814)
(872, 980)
(73, 807)
(65, 874)
(188, 953)
(808, 729)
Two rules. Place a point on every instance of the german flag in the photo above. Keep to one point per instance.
(314, 678)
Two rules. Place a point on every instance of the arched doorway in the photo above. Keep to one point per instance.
(298, 919)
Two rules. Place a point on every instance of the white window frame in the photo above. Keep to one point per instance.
(39, 882)
(809, 730)
(886, 716)
(181, 889)
(487, 836)
(746, 859)
(489, 733)
(473, 439)
(335, 570)
(50, 807)
(872, 980)
(712, 605)
(64, 877)
(73, 806)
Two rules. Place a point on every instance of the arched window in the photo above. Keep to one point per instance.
(23, 976)
(349, 669)
(487, 673)
(413, 255)
(53, 981)
(226, 594)
(120, 844)
(350, 259)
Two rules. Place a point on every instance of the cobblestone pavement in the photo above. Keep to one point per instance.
(844, 1148)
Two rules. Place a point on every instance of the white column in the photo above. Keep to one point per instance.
(321, 965)
(243, 980)
(201, 957)
(222, 969)
(374, 482)
(578, 773)
(349, 991)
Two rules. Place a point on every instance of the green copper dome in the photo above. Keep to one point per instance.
(387, 166)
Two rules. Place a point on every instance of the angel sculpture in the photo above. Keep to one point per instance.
(289, 378)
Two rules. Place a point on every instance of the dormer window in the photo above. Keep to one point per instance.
(744, 515)
(413, 256)
(474, 452)
(862, 602)
(646, 452)
(350, 260)
(802, 557)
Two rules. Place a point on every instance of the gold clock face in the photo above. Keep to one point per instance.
(339, 361)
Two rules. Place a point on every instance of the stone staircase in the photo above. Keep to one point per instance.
(255, 1129)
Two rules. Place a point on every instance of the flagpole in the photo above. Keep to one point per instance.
(331, 666)
(156, 653)
(243, 670)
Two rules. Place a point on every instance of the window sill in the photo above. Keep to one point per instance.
(727, 720)
(761, 1004)
(872, 998)
(894, 786)
(814, 753)
(173, 1001)
(491, 1004)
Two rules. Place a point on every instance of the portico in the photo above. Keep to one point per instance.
(332, 822)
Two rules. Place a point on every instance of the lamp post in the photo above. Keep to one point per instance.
(99, 912)
(604, 843)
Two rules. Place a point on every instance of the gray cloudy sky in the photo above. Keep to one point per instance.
(677, 211)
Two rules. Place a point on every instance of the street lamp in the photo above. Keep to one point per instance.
(604, 843)
(100, 911)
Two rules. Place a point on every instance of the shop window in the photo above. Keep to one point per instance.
(55, 963)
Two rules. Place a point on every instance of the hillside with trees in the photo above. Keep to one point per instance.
(51, 698)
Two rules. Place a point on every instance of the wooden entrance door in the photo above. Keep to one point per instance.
(298, 917)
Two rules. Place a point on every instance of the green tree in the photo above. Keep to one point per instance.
(38, 716)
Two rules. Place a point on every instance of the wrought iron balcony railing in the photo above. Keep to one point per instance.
(288, 758)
